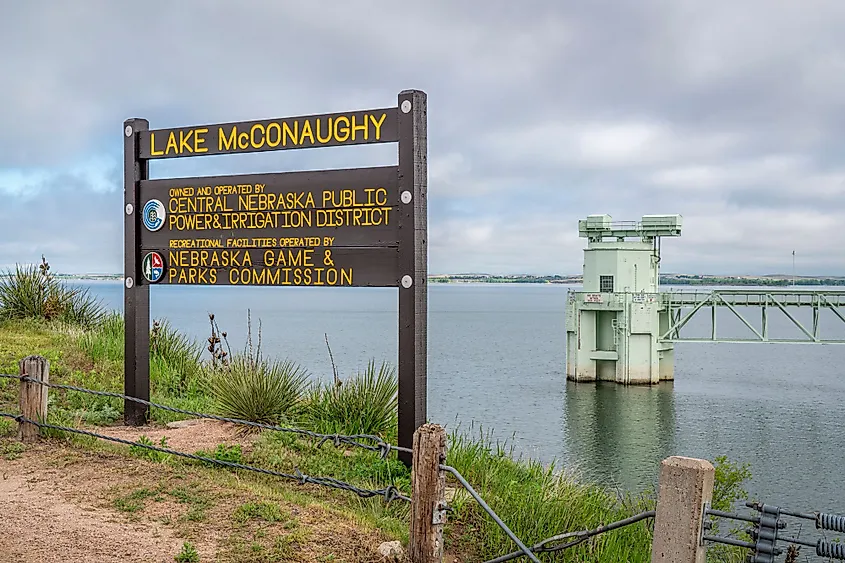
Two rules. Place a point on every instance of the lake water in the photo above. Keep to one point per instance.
(497, 360)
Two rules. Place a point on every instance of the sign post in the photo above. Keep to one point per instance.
(362, 227)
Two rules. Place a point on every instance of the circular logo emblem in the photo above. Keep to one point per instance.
(153, 267)
(154, 214)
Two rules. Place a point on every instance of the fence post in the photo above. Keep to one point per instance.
(33, 397)
(428, 495)
(686, 484)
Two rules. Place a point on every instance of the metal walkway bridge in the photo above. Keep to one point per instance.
(682, 306)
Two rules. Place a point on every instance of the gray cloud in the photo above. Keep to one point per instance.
(539, 114)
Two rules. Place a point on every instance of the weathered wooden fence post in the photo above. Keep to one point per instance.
(428, 495)
(686, 484)
(33, 397)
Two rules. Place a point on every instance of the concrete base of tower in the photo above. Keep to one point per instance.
(641, 375)
(667, 363)
(581, 373)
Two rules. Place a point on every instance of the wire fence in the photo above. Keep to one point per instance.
(575, 538)
(364, 441)
(378, 445)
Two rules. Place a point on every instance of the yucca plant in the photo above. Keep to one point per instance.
(258, 389)
(365, 404)
(32, 292)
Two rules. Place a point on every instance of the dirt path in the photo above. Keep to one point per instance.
(69, 505)
(51, 509)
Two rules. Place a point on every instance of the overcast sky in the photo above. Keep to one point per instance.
(730, 113)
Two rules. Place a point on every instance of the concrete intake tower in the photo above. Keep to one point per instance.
(613, 325)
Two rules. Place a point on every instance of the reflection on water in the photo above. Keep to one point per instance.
(615, 433)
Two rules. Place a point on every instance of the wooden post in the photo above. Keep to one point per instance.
(33, 397)
(413, 265)
(136, 296)
(686, 484)
(429, 495)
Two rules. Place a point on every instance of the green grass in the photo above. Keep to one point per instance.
(176, 374)
(266, 511)
(134, 501)
(537, 502)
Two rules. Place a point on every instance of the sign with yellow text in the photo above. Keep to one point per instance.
(325, 130)
(354, 207)
(353, 227)
(319, 265)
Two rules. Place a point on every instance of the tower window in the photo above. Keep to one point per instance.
(605, 284)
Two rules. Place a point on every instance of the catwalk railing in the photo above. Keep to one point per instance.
(680, 513)
(682, 306)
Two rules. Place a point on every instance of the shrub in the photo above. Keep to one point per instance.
(32, 292)
(257, 389)
(366, 404)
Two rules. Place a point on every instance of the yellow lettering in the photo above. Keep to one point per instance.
(378, 124)
(328, 136)
(342, 133)
(286, 132)
(183, 141)
(195, 243)
(227, 143)
(274, 127)
(306, 132)
(171, 142)
(243, 140)
(153, 145)
(198, 140)
(363, 127)
(255, 143)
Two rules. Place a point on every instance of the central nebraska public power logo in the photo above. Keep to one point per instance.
(154, 214)
(153, 267)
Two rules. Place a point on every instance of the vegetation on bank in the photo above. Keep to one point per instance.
(665, 279)
(85, 347)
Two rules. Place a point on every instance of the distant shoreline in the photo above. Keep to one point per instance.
(666, 279)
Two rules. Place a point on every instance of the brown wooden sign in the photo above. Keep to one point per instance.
(325, 130)
(361, 227)
(315, 265)
(356, 207)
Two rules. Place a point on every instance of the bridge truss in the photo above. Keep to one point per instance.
(683, 306)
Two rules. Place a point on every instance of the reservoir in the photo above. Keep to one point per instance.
(497, 364)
